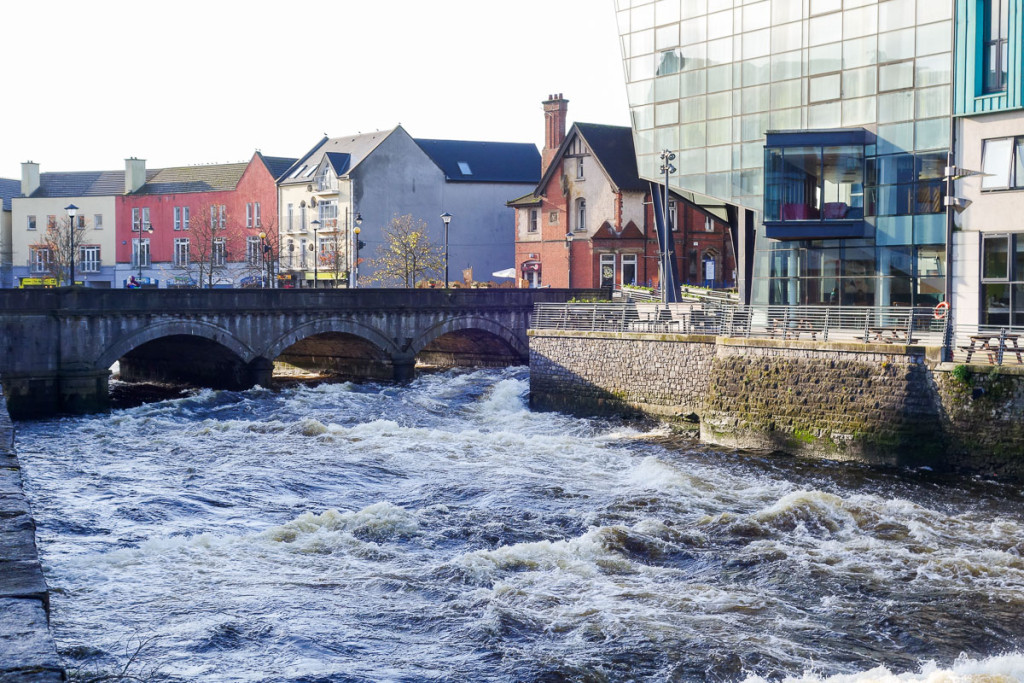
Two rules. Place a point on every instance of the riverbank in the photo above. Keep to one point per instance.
(880, 404)
(27, 651)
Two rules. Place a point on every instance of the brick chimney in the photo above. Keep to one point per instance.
(134, 174)
(555, 108)
(29, 177)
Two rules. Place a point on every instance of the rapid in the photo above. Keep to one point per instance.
(441, 531)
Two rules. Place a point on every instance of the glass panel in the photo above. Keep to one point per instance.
(756, 99)
(1018, 304)
(896, 45)
(843, 182)
(1018, 257)
(825, 88)
(775, 183)
(1018, 169)
(860, 22)
(860, 52)
(859, 82)
(896, 106)
(824, 115)
(896, 76)
(931, 134)
(785, 95)
(931, 280)
(933, 38)
(825, 58)
(996, 304)
(895, 14)
(932, 70)
(693, 31)
(995, 163)
(859, 112)
(929, 197)
(796, 179)
(894, 230)
(896, 261)
(995, 257)
(825, 29)
(932, 102)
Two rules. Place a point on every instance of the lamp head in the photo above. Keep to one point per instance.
(357, 229)
(72, 210)
(446, 217)
(316, 224)
(263, 235)
(359, 220)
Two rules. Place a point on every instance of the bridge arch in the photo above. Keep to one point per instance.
(328, 325)
(133, 340)
(471, 323)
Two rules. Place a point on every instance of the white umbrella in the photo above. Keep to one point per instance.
(508, 272)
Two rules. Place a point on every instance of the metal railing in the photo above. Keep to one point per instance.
(894, 325)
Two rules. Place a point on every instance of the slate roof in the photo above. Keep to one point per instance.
(612, 147)
(278, 165)
(184, 179)
(8, 189)
(82, 184)
(484, 162)
(339, 161)
(357, 147)
(528, 199)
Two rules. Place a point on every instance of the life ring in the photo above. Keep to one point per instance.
(940, 310)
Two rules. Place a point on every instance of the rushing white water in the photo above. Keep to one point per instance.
(443, 532)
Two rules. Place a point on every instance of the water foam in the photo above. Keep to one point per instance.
(1001, 669)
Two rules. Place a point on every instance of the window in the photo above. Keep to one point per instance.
(673, 215)
(1002, 162)
(140, 252)
(996, 258)
(553, 217)
(327, 213)
(302, 218)
(291, 253)
(996, 23)
(185, 217)
(40, 259)
(709, 225)
(97, 221)
(252, 250)
(323, 180)
(304, 252)
(607, 270)
(581, 214)
(136, 220)
(532, 224)
(181, 245)
(629, 269)
(146, 225)
(223, 216)
(89, 258)
(248, 214)
(291, 217)
(464, 168)
(579, 168)
(31, 222)
(297, 172)
(51, 222)
(181, 217)
(1002, 278)
(219, 254)
(177, 218)
(80, 222)
(256, 214)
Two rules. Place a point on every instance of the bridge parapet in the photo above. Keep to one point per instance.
(57, 345)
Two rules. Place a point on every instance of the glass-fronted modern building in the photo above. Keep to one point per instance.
(819, 128)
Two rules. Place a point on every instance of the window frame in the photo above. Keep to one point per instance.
(994, 49)
(182, 252)
(1012, 182)
(89, 258)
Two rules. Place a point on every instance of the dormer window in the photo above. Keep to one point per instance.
(323, 180)
(464, 168)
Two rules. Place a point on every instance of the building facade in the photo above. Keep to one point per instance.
(988, 242)
(199, 226)
(373, 178)
(9, 189)
(590, 220)
(819, 130)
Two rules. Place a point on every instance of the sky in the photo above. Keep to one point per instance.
(179, 82)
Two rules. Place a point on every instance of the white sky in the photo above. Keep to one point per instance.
(207, 81)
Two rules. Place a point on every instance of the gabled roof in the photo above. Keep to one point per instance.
(8, 189)
(184, 179)
(339, 162)
(528, 199)
(357, 147)
(607, 232)
(277, 165)
(612, 147)
(484, 162)
(82, 184)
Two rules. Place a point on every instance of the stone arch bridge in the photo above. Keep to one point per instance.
(57, 346)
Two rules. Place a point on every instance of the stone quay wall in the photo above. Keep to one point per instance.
(27, 651)
(874, 403)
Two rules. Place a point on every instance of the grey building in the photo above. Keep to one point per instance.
(377, 176)
(8, 189)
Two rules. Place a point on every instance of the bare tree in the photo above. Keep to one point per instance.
(59, 247)
(213, 241)
(407, 254)
(260, 262)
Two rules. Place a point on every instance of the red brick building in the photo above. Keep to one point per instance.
(175, 224)
(590, 221)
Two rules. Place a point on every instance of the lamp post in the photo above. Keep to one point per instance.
(666, 168)
(568, 253)
(316, 251)
(72, 212)
(267, 262)
(447, 218)
(353, 280)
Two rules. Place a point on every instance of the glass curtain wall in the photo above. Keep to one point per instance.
(708, 79)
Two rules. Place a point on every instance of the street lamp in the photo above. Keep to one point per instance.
(316, 251)
(267, 261)
(354, 277)
(72, 212)
(666, 168)
(447, 218)
(568, 253)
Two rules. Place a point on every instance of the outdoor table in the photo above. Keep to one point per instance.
(989, 344)
(891, 335)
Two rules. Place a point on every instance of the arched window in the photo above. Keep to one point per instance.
(581, 214)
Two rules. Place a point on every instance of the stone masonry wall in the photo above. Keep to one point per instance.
(27, 652)
(872, 403)
(612, 373)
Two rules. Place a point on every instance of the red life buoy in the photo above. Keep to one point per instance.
(940, 310)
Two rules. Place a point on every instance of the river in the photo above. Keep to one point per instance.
(441, 531)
